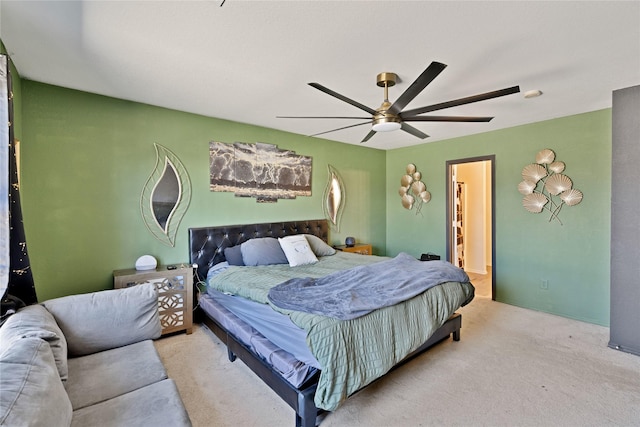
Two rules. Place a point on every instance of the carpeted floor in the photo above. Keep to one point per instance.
(512, 367)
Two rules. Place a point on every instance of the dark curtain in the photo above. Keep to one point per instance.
(20, 286)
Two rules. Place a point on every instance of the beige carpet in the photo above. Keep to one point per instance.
(512, 367)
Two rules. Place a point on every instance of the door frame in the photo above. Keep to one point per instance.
(449, 210)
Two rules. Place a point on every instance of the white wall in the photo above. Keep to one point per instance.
(475, 216)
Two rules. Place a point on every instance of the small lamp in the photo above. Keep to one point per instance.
(146, 262)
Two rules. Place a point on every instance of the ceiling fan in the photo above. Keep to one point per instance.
(390, 117)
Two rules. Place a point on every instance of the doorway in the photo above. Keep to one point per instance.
(471, 220)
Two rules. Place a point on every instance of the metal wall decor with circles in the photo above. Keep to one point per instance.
(412, 190)
(543, 180)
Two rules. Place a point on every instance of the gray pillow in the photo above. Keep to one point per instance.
(107, 319)
(31, 392)
(233, 255)
(263, 251)
(36, 321)
(318, 246)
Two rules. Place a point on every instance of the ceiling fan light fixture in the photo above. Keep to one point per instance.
(532, 93)
(386, 124)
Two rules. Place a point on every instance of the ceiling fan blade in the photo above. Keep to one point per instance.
(461, 101)
(447, 119)
(368, 137)
(417, 86)
(345, 127)
(322, 117)
(343, 98)
(413, 131)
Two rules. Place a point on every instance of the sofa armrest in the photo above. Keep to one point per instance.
(107, 319)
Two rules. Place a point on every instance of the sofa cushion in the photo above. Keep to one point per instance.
(102, 320)
(107, 374)
(36, 321)
(158, 404)
(31, 392)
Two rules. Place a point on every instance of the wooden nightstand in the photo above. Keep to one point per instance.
(360, 248)
(175, 298)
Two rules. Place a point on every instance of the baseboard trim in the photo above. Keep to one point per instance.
(471, 270)
(624, 349)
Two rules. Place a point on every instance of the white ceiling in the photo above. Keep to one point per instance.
(250, 61)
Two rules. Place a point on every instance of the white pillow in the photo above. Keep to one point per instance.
(297, 250)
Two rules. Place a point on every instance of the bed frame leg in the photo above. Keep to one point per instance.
(456, 335)
(231, 355)
(307, 411)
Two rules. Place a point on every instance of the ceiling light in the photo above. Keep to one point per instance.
(386, 127)
(386, 124)
(532, 93)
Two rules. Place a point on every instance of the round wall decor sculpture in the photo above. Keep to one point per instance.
(412, 190)
(545, 187)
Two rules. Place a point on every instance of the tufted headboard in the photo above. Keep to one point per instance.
(207, 244)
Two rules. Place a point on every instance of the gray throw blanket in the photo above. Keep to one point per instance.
(355, 292)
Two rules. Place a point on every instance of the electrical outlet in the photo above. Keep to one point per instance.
(544, 284)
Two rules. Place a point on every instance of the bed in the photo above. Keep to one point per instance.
(288, 348)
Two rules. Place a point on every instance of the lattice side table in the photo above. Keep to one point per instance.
(175, 293)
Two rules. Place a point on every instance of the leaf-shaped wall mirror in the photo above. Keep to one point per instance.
(334, 198)
(165, 196)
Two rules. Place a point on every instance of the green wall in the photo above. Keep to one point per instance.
(573, 257)
(85, 159)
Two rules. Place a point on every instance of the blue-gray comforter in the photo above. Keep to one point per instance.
(355, 292)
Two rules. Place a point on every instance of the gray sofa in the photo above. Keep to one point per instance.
(87, 360)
